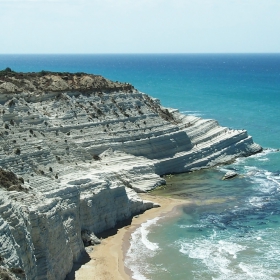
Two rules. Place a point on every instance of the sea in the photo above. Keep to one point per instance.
(228, 229)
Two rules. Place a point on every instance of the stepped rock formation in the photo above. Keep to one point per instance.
(81, 147)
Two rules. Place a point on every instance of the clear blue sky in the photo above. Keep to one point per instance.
(139, 26)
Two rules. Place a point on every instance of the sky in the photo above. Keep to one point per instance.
(139, 26)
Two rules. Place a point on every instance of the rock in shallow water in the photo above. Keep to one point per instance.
(230, 175)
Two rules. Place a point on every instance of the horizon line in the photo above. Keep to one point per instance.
(152, 53)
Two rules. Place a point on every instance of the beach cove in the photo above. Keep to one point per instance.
(251, 216)
(220, 229)
(107, 259)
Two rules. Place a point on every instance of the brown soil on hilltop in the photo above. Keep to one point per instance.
(15, 82)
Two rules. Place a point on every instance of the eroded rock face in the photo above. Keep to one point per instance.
(83, 155)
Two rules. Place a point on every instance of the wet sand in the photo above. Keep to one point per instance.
(106, 261)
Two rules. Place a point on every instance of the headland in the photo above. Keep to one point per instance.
(76, 151)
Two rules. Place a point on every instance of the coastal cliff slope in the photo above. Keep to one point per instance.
(74, 151)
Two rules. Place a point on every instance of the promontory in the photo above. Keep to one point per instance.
(75, 149)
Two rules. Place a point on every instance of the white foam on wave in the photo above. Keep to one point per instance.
(196, 115)
(274, 179)
(256, 201)
(266, 182)
(140, 250)
(225, 256)
(230, 259)
(264, 153)
(192, 226)
(255, 271)
(144, 233)
(192, 113)
(251, 170)
(263, 180)
(224, 169)
(264, 159)
(239, 161)
(216, 255)
(230, 248)
(186, 112)
(262, 156)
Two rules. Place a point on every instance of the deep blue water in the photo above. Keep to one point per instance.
(231, 229)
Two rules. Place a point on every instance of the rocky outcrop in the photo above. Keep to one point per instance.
(13, 82)
(229, 175)
(81, 148)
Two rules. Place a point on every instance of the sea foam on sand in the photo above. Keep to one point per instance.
(141, 246)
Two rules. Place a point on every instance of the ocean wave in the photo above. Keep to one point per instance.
(274, 179)
(192, 113)
(257, 202)
(226, 169)
(192, 226)
(232, 242)
(216, 255)
(265, 181)
(259, 157)
(265, 152)
(264, 159)
(140, 250)
(257, 272)
(144, 233)
(224, 256)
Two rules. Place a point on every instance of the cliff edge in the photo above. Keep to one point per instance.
(39, 82)
(75, 150)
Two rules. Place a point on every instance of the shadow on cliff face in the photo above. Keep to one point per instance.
(85, 258)
(113, 231)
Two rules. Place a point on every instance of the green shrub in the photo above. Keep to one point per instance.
(17, 270)
(6, 71)
(4, 275)
(96, 157)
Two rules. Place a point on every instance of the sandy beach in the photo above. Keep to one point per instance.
(105, 261)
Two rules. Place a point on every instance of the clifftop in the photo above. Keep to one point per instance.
(47, 81)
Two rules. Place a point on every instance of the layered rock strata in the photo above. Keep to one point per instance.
(82, 147)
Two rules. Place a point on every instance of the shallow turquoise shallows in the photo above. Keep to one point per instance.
(231, 229)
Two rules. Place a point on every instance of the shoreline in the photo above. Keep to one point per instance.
(107, 259)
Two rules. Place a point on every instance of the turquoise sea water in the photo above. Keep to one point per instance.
(231, 228)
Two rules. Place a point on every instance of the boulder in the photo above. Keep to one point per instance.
(230, 175)
(89, 238)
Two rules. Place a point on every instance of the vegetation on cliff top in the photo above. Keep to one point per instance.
(10, 182)
(14, 82)
(8, 72)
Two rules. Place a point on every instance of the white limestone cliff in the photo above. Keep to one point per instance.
(83, 156)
